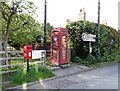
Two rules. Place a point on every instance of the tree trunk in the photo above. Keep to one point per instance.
(0, 46)
(0, 34)
(4, 47)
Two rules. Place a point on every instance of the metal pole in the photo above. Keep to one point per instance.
(27, 65)
(45, 19)
(98, 33)
(90, 48)
(44, 58)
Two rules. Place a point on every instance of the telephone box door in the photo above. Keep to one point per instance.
(64, 49)
(54, 55)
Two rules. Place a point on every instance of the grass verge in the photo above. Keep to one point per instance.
(22, 76)
(102, 64)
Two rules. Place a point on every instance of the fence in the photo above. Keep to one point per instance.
(47, 54)
(8, 57)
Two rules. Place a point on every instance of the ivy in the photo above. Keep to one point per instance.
(80, 48)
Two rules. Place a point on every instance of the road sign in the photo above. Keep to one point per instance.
(88, 37)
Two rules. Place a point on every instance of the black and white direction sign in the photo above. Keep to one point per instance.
(88, 37)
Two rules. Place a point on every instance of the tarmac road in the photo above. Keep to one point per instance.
(100, 78)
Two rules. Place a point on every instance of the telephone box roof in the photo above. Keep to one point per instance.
(59, 29)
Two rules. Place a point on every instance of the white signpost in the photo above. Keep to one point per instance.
(90, 38)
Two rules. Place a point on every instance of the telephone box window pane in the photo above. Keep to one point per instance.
(54, 56)
(55, 42)
(54, 51)
(63, 47)
(64, 31)
(64, 57)
(55, 31)
(54, 46)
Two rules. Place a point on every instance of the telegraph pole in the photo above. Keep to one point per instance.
(45, 19)
(99, 13)
(98, 32)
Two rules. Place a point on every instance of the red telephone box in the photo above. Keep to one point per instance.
(59, 46)
(28, 52)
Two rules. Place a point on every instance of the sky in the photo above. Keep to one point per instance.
(58, 11)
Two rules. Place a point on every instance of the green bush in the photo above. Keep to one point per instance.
(81, 61)
(99, 59)
(3, 69)
(15, 67)
(76, 59)
(80, 48)
(91, 59)
(107, 57)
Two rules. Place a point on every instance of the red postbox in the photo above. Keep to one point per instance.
(28, 52)
(59, 46)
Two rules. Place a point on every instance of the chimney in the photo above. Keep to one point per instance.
(82, 14)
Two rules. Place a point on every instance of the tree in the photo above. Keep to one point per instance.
(49, 28)
(25, 36)
(48, 32)
(32, 35)
(13, 18)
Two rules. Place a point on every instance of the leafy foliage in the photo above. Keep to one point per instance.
(15, 15)
(90, 58)
(29, 36)
(25, 36)
(80, 47)
(18, 15)
(49, 28)
(81, 61)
